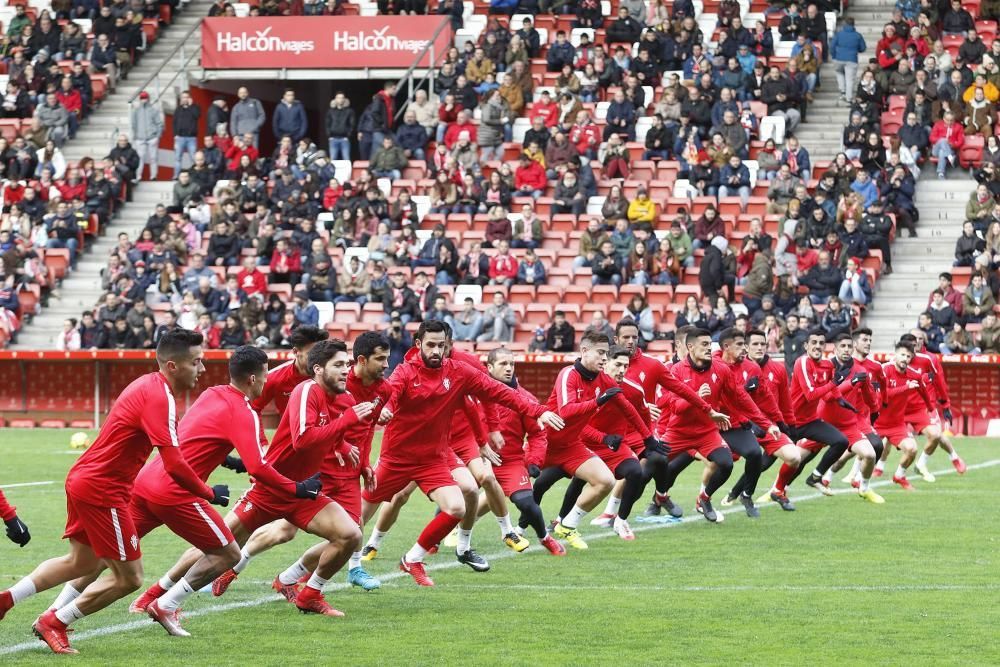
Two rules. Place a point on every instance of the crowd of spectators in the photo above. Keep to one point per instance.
(285, 210)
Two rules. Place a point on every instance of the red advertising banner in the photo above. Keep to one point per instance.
(312, 42)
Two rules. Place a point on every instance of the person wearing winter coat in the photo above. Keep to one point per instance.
(714, 273)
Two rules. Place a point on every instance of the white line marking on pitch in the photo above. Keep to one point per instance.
(256, 602)
(14, 486)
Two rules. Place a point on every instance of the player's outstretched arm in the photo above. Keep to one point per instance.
(17, 530)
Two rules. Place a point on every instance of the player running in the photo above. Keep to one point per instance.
(690, 431)
(855, 384)
(519, 460)
(426, 391)
(284, 378)
(99, 525)
(309, 430)
(17, 530)
(610, 436)
(902, 383)
(365, 384)
(581, 391)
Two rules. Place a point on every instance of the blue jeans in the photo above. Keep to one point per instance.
(340, 148)
(942, 150)
(392, 174)
(71, 244)
(183, 145)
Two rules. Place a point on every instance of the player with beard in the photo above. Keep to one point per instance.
(99, 487)
(425, 392)
(365, 384)
(856, 389)
(770, 393)
(519, 460)
(902, 383)
(651, 377)
(582, 391)
(306, 435)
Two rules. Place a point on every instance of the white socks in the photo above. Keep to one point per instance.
(243, 562)
(67, 595)
(355, 560)
(864, 484)
(464, 540)
(613, 505)
(69, 613)
(900, 472)
(505, 526)
(174, 598)
(376, 539)
(572, 520)
(828, 475)
(23, 589)
(954, 455)
(415, 554)
(166, 583)
(880, 465)
(294, 573)
(316, 581)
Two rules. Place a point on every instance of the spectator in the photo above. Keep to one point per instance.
(977, 300)
(247, 117)
(474, 266)
(959, 341)
(185, 124)
(399, 300)
(950, 295)
(54, 118)
(718, 269)
(642, 208)
(468, 324)
(734, 179)
(233, 334)
(389, 161)
(836, 319)
(933, 334)
(989, 335)
(412, 136)
(185, 190)
(569, 196)
(530, 271)
(147, 128)
(340, 124)
(498, 227)
(527, 231)
(400, 343)
(956, 20)
(251, 280)
(855, 287)
(68, 340)
(845, 48)
(940, 312)
(946, 140)
(289, 118)
(286, 263)
(560, 336)
(969, 246)
(606, 266)
(223, 247)
(305, 312)
(823, 279)
(503, 266)
(778, 93)
(709, 226)
(560, 53)
(438, 311)
(499, 321)
(529, 178)
(691, 314)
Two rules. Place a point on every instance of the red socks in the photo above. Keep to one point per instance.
(437, 530)
(785, 474)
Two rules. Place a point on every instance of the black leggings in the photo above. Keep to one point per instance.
(654, 467)
(744, 442)
(721, 457)
(631, 471)
(531, 513)
(876, 442)
(824, 433)
(543, 483)
(740, 485)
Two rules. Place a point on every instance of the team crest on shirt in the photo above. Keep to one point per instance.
(447, 384)
(770, 377)
(642, 376)
(715, 378)
(135, 542)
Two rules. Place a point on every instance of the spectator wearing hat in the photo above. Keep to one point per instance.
(306, 313)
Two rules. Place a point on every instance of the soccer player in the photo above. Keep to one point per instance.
(901, 384)
(690, 430)
(926, 421)
(770, 393)
(519, 460)
(426, 391)
(610, 436)
(283, 378)
(747, 418)
(17, 530)
(855, 385)
(652, 377)
(99, 525)
(812, 381)
(581, 391)
(305, 436)
(366, 384)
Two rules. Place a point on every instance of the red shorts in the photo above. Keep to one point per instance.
(196, 522)
(258, 507)
(895, 436)
(568, 458)
(853, 435)
(694, 448)
(346, 492)
(772, 445)
(615, 459)
(393, 478)
(513, 477)
(466, 449)
(921, 420)
(108, 531)
(812, 446)
(455, 462)
(634, 442)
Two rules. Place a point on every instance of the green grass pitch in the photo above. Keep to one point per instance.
(839, 582)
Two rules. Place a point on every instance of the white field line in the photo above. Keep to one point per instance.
(119, 628)
(14, 486)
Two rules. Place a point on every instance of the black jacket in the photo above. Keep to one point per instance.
(340, 122)
(186, 121)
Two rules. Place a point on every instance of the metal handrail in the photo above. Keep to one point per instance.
(445, 22)
(156, 73)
